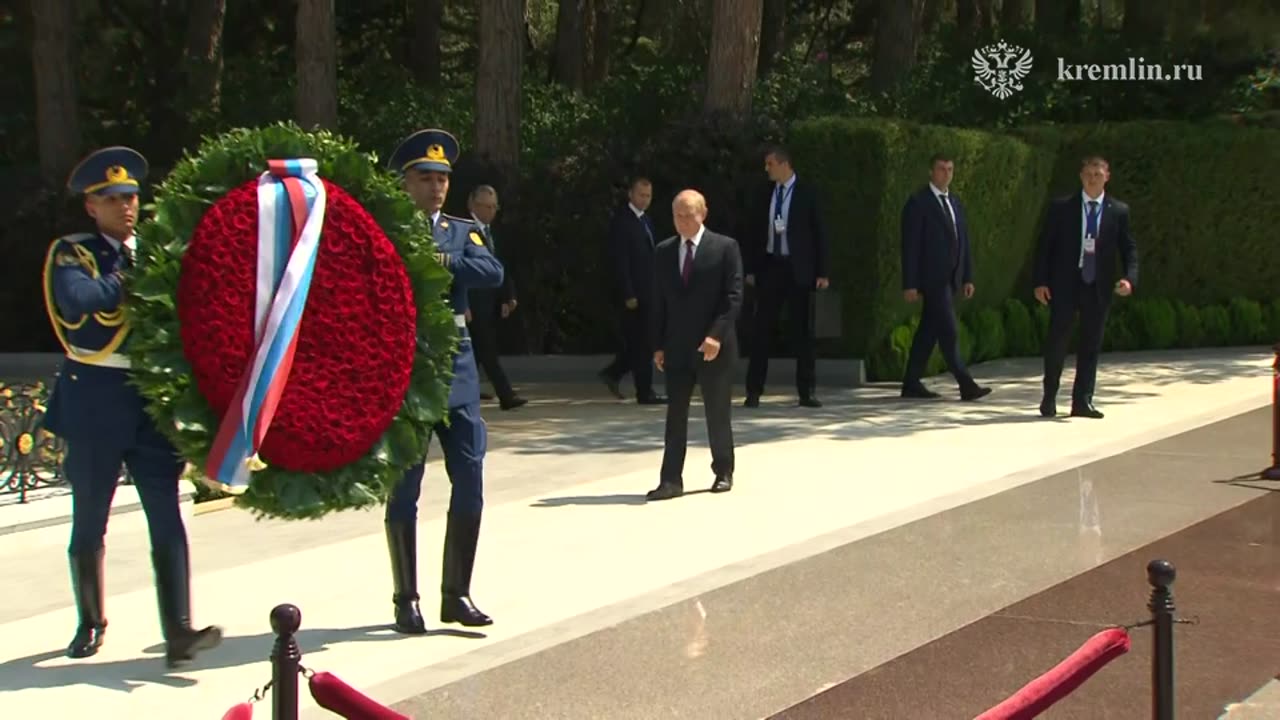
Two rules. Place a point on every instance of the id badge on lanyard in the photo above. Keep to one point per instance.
(1090, 244)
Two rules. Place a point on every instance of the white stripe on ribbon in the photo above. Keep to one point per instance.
(272, 301)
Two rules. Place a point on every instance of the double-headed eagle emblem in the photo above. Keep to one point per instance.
(1000, 68)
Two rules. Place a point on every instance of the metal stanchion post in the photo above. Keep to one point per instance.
(286, 662)
(1273, 472)
(1161, 574)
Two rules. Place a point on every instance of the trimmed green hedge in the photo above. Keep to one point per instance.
(1018, 329)
(867, 168)
(1202, 202)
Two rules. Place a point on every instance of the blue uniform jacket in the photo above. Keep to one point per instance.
(473, 267)
(92, 400)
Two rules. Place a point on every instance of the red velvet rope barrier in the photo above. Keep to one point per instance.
(336, 696)
(1040, 694)
(243, 711)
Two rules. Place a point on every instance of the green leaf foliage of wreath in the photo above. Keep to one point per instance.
(164, 377)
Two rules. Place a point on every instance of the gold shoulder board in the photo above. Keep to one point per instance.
(475, 238)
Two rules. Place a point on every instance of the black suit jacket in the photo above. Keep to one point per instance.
(685, 316)
(1058, 255)
(934, 255)
(630, 254)
(806, 233)
(490, 298)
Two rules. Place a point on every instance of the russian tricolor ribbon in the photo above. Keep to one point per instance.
(291, 206)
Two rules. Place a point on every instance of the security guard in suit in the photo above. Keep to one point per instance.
(425, 161)
(101, 416)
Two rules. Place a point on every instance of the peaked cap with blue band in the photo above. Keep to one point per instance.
(111, 170)
(426, 150)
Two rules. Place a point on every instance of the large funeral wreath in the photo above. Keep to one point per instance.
(373, 361)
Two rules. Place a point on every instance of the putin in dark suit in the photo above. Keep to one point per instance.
(697, 297)
(1085, 240)
(937, 263)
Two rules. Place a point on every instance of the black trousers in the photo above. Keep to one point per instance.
(1092, 304)
(716, 382)
(937, 327)
(484, 342)
(635, 354)
(776, 287)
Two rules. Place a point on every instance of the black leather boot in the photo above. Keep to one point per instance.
(402, 545)
(87, 583)
(460, 539)
(173, 591)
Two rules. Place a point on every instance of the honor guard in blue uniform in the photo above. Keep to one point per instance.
(425, 161)
(102, 417)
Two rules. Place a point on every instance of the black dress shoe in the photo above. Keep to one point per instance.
(810, 402)
(919, 392)
(723, 484)
(652, 400)
(752, 401)
(1048, 408)
(1086, 410)
(513, 402)
(665, 491)
(611, 383)
(974, 392)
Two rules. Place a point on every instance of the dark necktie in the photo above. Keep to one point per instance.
(1089, 270)
(488, 239)
(777, 213)
(648, 227)
(955, 231)
(687, 270)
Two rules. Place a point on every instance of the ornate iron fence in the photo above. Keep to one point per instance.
(30, 457)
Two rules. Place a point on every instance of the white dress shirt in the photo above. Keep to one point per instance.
(787, 188)
(1084, 220)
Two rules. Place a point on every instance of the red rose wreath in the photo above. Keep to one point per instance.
(370, 351)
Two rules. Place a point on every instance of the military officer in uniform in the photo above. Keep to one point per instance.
(101, 416)
(425, 161)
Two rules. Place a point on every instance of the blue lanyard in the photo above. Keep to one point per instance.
(780, 196)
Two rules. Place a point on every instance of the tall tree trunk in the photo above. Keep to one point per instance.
(1146, 20)
(973, 15)
(897, 34)
(57, 107)
(1015, 13)
(735, 51)
(601, 42)
(1187, 16)
(498, 93)
(316, 44)
(930, 16)
(773, 35)
(569, 64)
(1052, 16)
(203, 57)
(425, 58)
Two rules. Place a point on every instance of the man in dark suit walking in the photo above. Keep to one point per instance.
(786, 260)
(1086, 236)
(630, 252)
(937, 262)
(488, 305)
(697, 297)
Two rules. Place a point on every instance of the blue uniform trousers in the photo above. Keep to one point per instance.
(464, 441)
(93, 470)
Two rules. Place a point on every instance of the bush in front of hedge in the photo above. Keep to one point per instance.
(866, 169)
(1019, 329)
